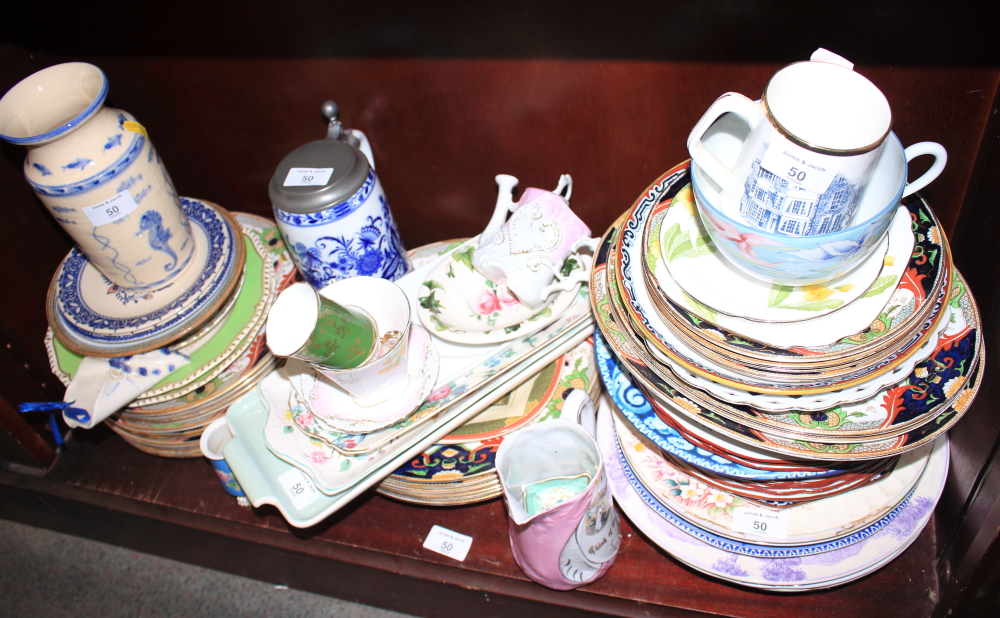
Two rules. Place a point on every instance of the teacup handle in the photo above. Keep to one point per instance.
(729, 102)
(940, 159)
(565, 284)
(578, 407)
(568, 283)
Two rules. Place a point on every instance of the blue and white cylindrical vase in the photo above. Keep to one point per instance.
(96, 171)
(332, 211)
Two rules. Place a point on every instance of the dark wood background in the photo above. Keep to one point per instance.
(453, 94)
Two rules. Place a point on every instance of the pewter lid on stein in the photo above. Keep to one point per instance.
(350, 170)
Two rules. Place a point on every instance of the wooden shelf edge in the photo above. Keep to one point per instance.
(405, 584)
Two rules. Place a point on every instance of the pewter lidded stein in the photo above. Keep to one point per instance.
(332, 211)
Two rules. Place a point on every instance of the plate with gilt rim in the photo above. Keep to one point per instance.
(899, 298)
(663, 344)
(779, 574)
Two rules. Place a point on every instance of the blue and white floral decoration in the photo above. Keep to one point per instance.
(374, 251)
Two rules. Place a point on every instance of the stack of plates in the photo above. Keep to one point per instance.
(91, 316)
(731, 394)
(287, 452)
(460, 468)
(228, 356)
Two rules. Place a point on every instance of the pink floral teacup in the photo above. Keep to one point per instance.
(523, 255)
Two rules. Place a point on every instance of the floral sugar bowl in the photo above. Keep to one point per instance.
(332, 211)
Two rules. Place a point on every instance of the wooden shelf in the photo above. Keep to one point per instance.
(451, 95)
(372, 552)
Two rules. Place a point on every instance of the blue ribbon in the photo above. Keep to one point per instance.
(77, 414)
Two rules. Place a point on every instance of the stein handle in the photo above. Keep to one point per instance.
(578, 407)
(364, 146)
(940, 159)
(729, 102)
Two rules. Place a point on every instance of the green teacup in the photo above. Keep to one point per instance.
(305, 325)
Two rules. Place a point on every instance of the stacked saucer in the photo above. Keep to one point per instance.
(227, 354)
(734, 397)
(459, 469)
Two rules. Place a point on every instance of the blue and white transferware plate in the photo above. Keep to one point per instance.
(92, 316)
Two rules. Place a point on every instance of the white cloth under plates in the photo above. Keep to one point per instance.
(101, 386)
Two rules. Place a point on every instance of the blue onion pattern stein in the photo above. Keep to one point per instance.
(332, 211)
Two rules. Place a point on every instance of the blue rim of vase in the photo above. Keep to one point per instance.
(746, 548)
(68, 126)
(218, 262)
(893, 203)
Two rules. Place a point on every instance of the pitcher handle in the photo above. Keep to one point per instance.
(578, 407)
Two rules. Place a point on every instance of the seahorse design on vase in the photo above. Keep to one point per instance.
(159, 237)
